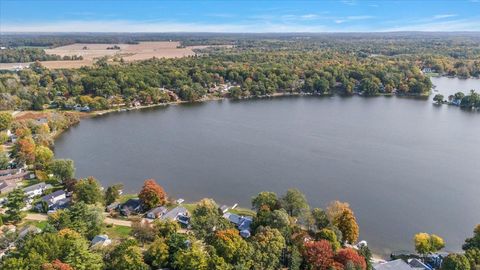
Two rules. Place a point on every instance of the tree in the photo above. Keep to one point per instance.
(294, 202)
(265, 198)
(193, 258)
(157, 254)
(84, 219)
(473, 242)
(473, 256)
(347, 224)
(89, 191)
(320, 218)
(56, 265)
(426, 243)
(4, 160)
(6, 120)
(143, 231)
(365, 252)
(318, 255)
(232, 247)
(25, 149)
(152, 195)
(63, 169)
(370, 86)
(126, 256)
(112, 193)
(15, 204)
(206, 219)
(277, 219)
(455, 262)
(165, 228)
(330, 236)
(438, 98)
(335, 209)
(349, 255)
(268, 245)
(43, 156)
(66, 246)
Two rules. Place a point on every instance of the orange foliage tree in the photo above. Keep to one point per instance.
(350, 255)
(319, 255)
(152, 194)
(56, 265)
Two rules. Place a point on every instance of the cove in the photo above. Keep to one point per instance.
(404, 165)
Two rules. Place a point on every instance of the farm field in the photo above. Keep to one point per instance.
(129, 52)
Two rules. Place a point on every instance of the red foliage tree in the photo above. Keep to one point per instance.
(346, 255)
(152, 194)
(319, 255)
(56, 265)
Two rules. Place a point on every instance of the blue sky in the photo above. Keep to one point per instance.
(239, 16)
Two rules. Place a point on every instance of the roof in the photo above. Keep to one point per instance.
(53, 195)
(393, 265)
(14, 176)
(172, 214)
(8, 172)
(418, 265)
(99, 238)
(41, 185)
(131, 203)
(234, 218)
(157, 210)
(7, 184)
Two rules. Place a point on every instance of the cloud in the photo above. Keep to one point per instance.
(443, 16)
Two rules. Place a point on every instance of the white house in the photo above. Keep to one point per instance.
(36, 190)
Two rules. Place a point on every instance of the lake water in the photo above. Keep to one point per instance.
(404, 165)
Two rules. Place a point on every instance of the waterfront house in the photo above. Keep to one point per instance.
(16, 177)
(8, 172)
(101, 240)
(242, 223)
(418, 265)
(393, 265)
(175, 214)
(112, 206)
(132, 206)
(52, 201)
(156, 212)
(36, 190)
(60, 204)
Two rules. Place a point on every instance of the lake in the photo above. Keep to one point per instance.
(405, 165)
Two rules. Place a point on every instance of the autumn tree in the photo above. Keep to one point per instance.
(318, 255)
(294, 202)
(152, 195)
(89, 191)
(426, 243)
(206, 218)
(268, 245)
(43, 156)
(25, 150)
(193, 258)
(232, 248)
(6, 120)
(56, 265)
(347, 224)
(335, 209)
(349, 255)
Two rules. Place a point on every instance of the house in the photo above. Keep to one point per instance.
(112, 206)
(393, 265)
(51, 200)
(8, 172)
(7, 186)
(175, 213)
(36, 190)
(101, 240)
(243, 223)
(131, 206)
(60, 204)
(17, 177)
(156, 212)
(418, 265)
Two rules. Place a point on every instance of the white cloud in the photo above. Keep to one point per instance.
(443, 16)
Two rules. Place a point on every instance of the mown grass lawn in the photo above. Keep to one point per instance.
(117, 231)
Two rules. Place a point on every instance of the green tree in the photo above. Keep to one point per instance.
(268, 245)
(455, 262)
(15, 204)
(206, 219)
(193, 258)
(330, 236)
(126, 256)
(63, 169)
(165, 228)
(438, 98)
(320, 218)
(265, 198)
(426, 243)
(112, 193)
(473, 242)
(43, 156)
(6, 120)
(294, 202)
(89, 191)
(157, 254)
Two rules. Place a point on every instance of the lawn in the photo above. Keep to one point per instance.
(39, 224)
(118, 232)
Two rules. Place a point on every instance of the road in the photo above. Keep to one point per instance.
(107, 220)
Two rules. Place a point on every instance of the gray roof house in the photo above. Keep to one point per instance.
(130, 206)
(418, 265)
(175, 213)
(243, 223)
(36, 190)
(156, 212)
(57, 199)
(393, 265)
(7, 186)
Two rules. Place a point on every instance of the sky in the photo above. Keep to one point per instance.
(239, 16)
